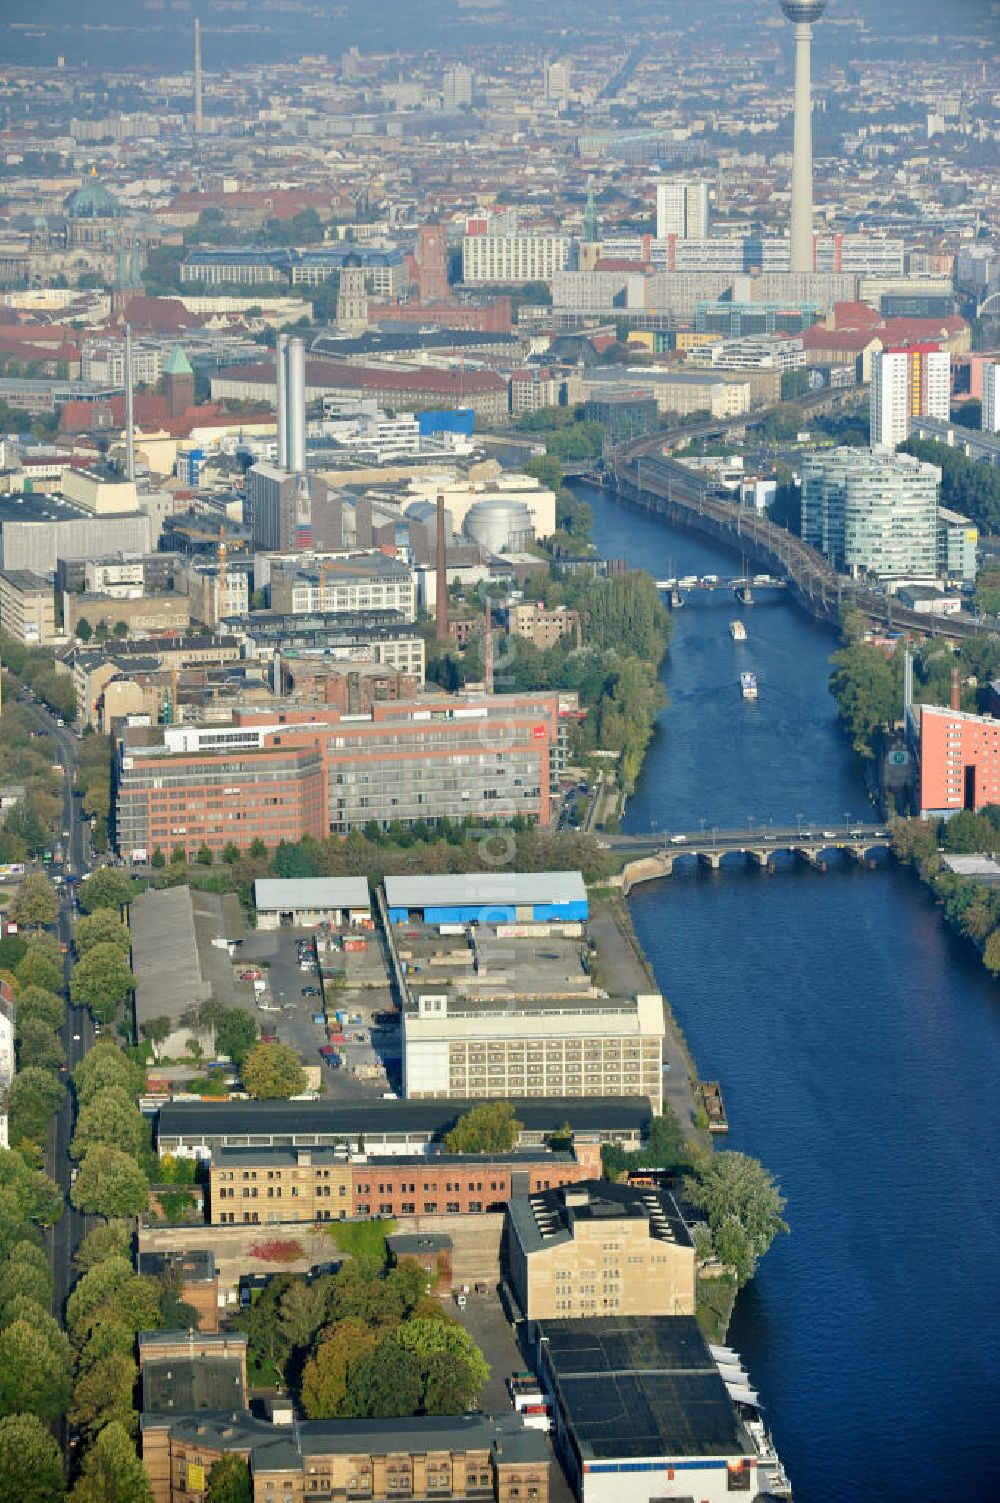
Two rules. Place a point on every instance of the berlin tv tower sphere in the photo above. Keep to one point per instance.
(803, 11)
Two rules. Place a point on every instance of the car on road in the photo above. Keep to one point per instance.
(310, 991)
(60, 722)
(829, 834)
(678, 840)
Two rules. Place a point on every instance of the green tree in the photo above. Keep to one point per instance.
(34, 1371)
(157, 1030)
(490, 1128)
(229, 1481)
(112, 1240)
(272, 1072)
(111, 1471)
(743, 1206)
(105, 1065)
(110, 1117)
(427, 1339)
(110, 1184)
(25, 823)
(43, 1006)
(449, 1384)
(38, 968)
(135, 1306)
(83, 630)
(302, 1312)
(236, 1034)
(31, 1467)
(101, 980)
(868, 691)
(35, 904)
(325, 1375)
(22, 1277)
(101, 927)
(38, 1045)
(205, 855)
(991, 953)
(33, 1098)
(90, 1291)
(105, 1337)
(384, 1382)
(157, 859)
(105, 1393)
(105, 888)
(178, 856)
(27, 1194)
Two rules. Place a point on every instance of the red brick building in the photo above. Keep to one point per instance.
(276, 775)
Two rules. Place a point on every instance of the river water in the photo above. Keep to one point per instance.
(858, 1046)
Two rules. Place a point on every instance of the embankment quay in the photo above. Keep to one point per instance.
(710, 848)
(680, 497)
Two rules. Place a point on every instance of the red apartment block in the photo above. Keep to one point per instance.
(959, 760)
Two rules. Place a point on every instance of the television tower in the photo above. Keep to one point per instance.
(802, 13)
(199, 121)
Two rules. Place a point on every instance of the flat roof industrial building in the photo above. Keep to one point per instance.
(487, 897)
(641, 1411)
(401, 1128)
(306, 902)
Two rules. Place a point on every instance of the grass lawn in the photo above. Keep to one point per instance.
(362, 1239)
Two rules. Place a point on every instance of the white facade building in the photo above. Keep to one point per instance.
(514, 258)
(682, 209)
(991, 398)
(908, 383)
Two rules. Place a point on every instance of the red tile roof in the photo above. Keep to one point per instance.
(331, 373)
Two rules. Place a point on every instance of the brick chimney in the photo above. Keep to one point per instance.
(442, 573)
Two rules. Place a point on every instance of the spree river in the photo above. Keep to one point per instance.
(858, 1046)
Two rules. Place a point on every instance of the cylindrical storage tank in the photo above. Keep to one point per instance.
(296, 419)
(500, 526)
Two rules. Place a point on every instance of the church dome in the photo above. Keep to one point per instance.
(92, 201)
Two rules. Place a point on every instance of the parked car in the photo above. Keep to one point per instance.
(310, 991)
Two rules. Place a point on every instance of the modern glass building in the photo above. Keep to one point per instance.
(872, 513)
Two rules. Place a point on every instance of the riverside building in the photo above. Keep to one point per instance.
(276, 775)
(872, 513)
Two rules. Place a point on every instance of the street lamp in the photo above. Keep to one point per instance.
(798, 824)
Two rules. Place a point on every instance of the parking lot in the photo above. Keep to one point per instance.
(369, 1060)
(486, 1323)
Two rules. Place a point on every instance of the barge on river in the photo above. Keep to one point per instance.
(711, 1095)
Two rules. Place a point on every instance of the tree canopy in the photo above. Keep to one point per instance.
(101, 980)
(35, 904)
(743, 1207)
(31, 1467)
(111, 1471)
(489, 1128)
(110, 1183)
(272, 1072)
(102, 926)
(236, 1034)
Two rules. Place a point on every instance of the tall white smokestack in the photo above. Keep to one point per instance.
(296, 414)
(129, 417)
(198, 117)
(281, 398)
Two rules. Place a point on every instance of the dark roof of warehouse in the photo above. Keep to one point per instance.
(221, 1119)
(641, 1386)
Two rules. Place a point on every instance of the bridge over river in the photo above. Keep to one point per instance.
(657, 855)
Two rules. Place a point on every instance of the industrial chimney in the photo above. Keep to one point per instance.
(198, 117)
(281, 398)
(488, 646)
(442, 573)
(295, 416)
(129, 414)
